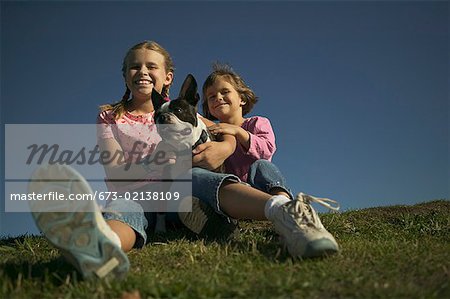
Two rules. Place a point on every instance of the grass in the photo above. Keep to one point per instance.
(387, 252)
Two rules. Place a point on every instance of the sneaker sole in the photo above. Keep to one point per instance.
(75, 230)
(206, 223)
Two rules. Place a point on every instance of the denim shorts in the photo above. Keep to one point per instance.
(263, 175)
(205, 186)
(135, 217)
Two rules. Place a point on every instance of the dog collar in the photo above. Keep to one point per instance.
(203, 138)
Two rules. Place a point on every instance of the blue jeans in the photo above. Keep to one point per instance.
(132, 213)
(263, 175)
(205, 186)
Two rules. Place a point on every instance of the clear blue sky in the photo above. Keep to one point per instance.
(357, 92)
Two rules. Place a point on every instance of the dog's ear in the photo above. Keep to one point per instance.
(157, 99)
(189, 90)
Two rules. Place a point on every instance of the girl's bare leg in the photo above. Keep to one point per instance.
(126, 234)
(240, 201)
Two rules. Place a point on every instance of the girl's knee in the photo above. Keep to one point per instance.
(260, 164)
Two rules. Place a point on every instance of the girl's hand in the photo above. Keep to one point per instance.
(241, 135)
(211, 155)
(223, 128)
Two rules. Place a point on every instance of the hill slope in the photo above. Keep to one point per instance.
(387, 252)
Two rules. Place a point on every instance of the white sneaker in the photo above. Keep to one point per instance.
(77, 228)
(301, 230)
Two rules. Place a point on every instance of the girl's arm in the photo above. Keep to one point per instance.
(118, 166)
(242, 136)
(211, 155)
(258, 141)
(262, 140)
(114, 163)
(122, 172)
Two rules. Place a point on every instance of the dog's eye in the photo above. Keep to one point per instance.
(178, 110)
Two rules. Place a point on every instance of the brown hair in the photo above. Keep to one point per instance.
(226, 72)
(119, 108)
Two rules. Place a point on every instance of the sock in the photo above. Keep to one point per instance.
(106, 230)
(273, 204)
(115, 238)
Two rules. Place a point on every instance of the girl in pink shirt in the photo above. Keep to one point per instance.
(228, 99)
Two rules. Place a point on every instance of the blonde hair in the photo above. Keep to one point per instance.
(227, 73)
(119, 108)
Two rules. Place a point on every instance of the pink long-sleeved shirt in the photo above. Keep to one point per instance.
(130, 131)
(262, 146)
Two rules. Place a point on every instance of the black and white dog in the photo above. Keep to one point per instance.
(179, 125)
(177, 121)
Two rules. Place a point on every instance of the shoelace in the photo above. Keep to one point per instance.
(306, 214)
(325, 202)
(303, 213)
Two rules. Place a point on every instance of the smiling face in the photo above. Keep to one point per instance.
(146, 70)
(224, 102)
